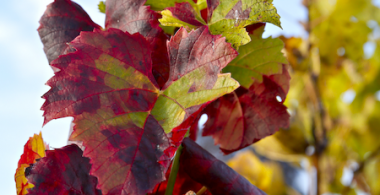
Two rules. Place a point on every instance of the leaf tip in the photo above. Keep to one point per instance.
(102, 7)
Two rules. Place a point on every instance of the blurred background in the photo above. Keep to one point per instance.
(332, 145)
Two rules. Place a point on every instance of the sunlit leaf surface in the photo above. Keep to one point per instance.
(225, 17)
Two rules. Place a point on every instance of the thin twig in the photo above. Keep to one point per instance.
(319, 128)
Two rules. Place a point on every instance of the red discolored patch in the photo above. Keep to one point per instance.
(244, 117)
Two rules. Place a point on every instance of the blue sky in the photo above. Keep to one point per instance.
(24, 71)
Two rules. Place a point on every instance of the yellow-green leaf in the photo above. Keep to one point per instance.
(228, 19)
(257, 58)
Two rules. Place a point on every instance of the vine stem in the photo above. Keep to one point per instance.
(202, 190)
(319, 127)
(173, 172)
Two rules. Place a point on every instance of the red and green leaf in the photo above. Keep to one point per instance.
(256, 109)
(259, 57)
(34, 149)
(134, 94)
(240, 119)
(132, 16)
(226, 17)
(120, 113)
(62, 171)
(62, 21)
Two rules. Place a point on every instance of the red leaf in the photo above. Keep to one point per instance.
(193, 131)
(177, 135)
(183, 184)
(243, 117)
(62, 21)
(185, 12)
(210, 51)
(34, 149)
(212, 173)
(108, 87)
(199, 168)
(138, 167)
(132, 16)
(253, 27)
(160, 59)
(78, 88)
(62, 171)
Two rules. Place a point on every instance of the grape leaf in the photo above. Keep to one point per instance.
(132, 16)
(257, 58)
(62, 171)
(182, 15)
(108, 87)
(33, 149)
(183, 182)
(62, 21)
(226, 17)
(241, 118)
(212, 173)
(179, 133)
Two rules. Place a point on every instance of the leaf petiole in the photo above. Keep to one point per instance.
(173, 172)
(202, 190)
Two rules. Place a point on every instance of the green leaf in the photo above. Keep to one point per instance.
(228, 19)
(102, 7)
(257, 58)
(246, 11)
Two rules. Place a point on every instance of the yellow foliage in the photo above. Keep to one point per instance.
(33, 150)
(264, 175)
